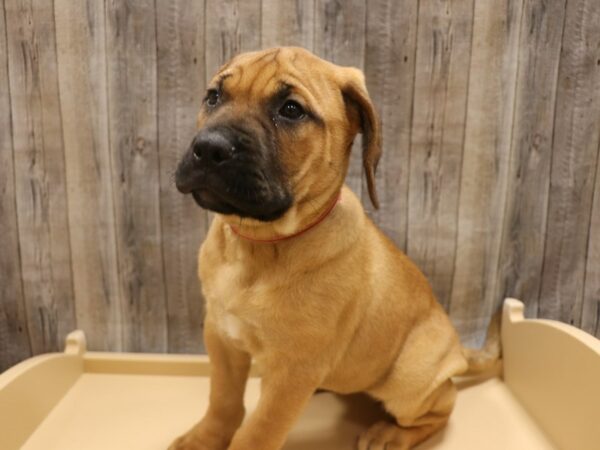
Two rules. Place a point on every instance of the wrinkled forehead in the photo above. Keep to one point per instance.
(262, 74)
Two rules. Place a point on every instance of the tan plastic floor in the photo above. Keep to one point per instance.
(548, 398)
(145, 412)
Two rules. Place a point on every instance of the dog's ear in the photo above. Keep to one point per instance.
(355, 94)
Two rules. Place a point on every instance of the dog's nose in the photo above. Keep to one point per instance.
(212, 148)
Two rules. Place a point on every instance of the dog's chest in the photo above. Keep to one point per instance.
(237, 304)
(231, 326)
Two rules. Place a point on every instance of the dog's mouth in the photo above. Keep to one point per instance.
(229, 171)
(260, 207)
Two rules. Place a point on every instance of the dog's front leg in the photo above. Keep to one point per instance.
(229, 373)
(284, 394)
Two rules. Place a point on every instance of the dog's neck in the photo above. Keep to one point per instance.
(252, 236)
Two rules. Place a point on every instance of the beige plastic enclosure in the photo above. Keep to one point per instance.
(547, 397)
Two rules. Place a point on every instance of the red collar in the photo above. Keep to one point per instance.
(297, 233)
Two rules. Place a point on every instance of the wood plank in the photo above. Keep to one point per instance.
(590, 317)
(181, 82)
(575, 153)
(340, 38)
(288, 22)
(232, 27)
(484, 175)
(391, 37)
(40, 173)
(14, 337)
(132, 90)
(81, 51)
(522, 251)
(437, 141)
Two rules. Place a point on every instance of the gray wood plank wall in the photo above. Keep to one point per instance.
(490, 178)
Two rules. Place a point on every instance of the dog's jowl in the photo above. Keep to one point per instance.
(295, 275)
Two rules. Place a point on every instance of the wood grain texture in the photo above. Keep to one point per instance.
(483, 185)
(82, 80)
(232, 27)
(590, 317)
(340, 38)
(132, 90)
(490, 177)
(14, 333)
(181, 82)
(574, 157)
(522, 249)
(438, 128)
(40, 174)
(390, 70)
(288, 23)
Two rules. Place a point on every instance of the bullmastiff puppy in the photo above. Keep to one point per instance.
(295, 275)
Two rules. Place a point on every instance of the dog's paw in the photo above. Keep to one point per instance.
(190, 442)
(184, 443)
(382, 436)
(201, 438)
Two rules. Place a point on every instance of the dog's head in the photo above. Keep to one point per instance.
(275, 131)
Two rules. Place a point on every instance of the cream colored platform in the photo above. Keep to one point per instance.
(550, 398)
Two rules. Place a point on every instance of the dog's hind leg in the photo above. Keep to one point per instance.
(413, 424)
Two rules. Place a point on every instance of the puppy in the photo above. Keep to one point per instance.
(294, 273)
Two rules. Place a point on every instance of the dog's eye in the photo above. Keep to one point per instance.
(292, 110)
(212, 97)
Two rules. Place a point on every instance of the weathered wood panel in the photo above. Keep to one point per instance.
(522, 250)
(483, 185)
(82, 80)
(132, 91)
(490, 177)
(574, 157)
(232, 27)
(438, 128)
(14, 333)
(340, 38)
(181, 82)
(288, 22)
(590, 317)
(39, 165)
(391, 37)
